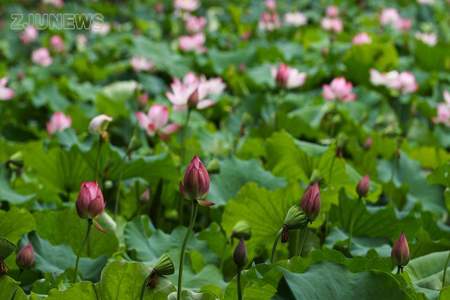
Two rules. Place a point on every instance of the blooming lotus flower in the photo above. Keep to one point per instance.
(310, 202)
(339, 89)
(400, 252)
(271, 4)
(427, 38)
(361, 38)
(240, 255)
(58, 122)
(404, 82)
(139, 63)
(332, 11)
(287, 77)
(269, 21)
(29, 35)
(194, 42)
(57, 43)
(363, 186)
(155, 121)
(6, 93)
(90, 202)
(41, 57)
(100, 28)
(195, 185)
(332, 24)
(187, 5)
(295, 19)
(443, 111)
(194, 91)
(99, 124)
(391, 17)
(25, 257)
(194, 24)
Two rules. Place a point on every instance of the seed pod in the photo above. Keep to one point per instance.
(164, 266)
(241, 230)
(295, 218)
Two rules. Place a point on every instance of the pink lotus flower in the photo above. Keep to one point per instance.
(427, 38)
(90, 202)
(332, 11)
(155, 121)
(29, 35)
(287, 77)
(295, 19)
(194, 91)
(58, 122)
(269, 21)
(187, 5)
(271, 4)
(332, 24)
(391, 17)
(41, 57)
(57, 43)
(404, 82)
(100, 28)
(194, 24)
(99, 124)
(6, 93)
(443, 111)
(339, 89)
(361, 38)
(139, 63)
(192, 42)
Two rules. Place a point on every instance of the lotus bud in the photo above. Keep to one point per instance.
(25, 257)
(241, 230)
(240, 255)
(310, 202)
(99, 124)
(295, 218)
(195, 185)
(363, 186)
(282, 75)
(400, 252)
(90, 202)
(145, 196)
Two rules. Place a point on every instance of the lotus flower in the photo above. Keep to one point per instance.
(429, 39)
(194, 24)
(41, 57)
(404, 82)
(295, 19)
(57, 43)
(186, 5)
(361, 38)
(58, 122)
(99, 124)
(29, 35)
(339, 89)
(269, 21)
(287, 77)
(155, 121)
(139, 63)
(194, 42)
(6, 93)
(443, 111)
(25, 257)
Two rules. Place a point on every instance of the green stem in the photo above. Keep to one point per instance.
(143, 289)
(97, 159)
(445, 270)
(88, 230)
(304, 232)
(183, 247)
(352, 223)
(239, 288)
(275, 243)
(183, 135)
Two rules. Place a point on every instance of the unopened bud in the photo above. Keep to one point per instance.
(363, 186)
(195, 185)
(90, 202)
(240, 255)
(25, 257)
(310, 202)
(400, 252)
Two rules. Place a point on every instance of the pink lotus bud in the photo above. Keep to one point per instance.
(195, 184)
(310, 202)
(90, 202)
(57, 43)
(282, 75)
(400, 252)
(58, 122)
(99, 124)
(240, 255)
(25, 257)
(363, 186)
(29, 34)
(41, 57)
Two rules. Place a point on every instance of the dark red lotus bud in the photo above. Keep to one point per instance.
(368, 143)
(282, 75)
(285, 234)
(90, 202)
(195, 185)
(363, 186)
(240, 255)
(400, 252)
(310, 202)
(25, 257)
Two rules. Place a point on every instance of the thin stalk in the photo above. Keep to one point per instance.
(141, 297)
(399, 269)
(88, 230)
(445, 270)
(302, 244)
(183, 135)
(239, 287)
(350, 231)
(97, 159)
(275, 243)
(183, 246)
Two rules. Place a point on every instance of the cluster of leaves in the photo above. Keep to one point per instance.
(262, 146)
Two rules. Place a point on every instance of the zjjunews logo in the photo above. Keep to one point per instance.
(55, 21)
